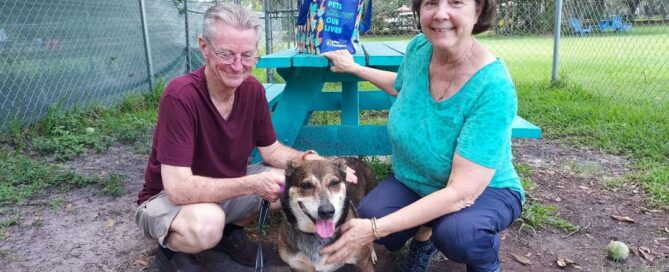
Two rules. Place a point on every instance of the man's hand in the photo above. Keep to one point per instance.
(269, 184)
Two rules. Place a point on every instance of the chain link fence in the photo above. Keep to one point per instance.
(618, 49)
(81, 52)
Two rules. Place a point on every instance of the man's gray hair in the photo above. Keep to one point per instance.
(232, 15)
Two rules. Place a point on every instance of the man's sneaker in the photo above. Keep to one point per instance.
(238, 247)
(418, 258)
(170, 261)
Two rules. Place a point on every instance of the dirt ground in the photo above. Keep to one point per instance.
(82, 230)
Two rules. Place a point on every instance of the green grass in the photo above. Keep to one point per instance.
(22, 177)
(637, 131)
(525, 173)
(612, 96)
(536, 214)
(381, 168)
(366, 38)
(67, 134)
(6, 222)
(64, 135)
(614, 183)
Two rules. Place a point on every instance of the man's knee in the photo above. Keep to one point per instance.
(464, 242)
(201, 224)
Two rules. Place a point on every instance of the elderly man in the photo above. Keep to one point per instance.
(199, 191)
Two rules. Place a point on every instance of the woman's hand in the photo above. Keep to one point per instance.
(342, 61)
(356, 234)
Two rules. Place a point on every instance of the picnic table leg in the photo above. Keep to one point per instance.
(296, 102)
(350, 103)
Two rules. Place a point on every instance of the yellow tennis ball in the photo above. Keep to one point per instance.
(618, 251)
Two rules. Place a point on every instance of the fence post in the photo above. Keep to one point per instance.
(268, 39)
(147, 45)
(188, 64)
(556, 39)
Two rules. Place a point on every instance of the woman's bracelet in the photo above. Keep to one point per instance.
(376, 234)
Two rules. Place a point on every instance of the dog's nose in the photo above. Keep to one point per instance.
(326, 211)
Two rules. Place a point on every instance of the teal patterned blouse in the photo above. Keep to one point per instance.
(475, 122)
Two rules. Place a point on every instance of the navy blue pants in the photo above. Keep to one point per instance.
(469, 236)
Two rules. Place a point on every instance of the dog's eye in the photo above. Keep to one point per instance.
(306, 186)
(334, 183)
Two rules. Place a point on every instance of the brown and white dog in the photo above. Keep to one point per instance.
(316, 201)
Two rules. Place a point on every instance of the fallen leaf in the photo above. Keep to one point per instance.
(583, 187)
(558, 199)
(646, 210)
(578, 267)
(623, 218)
(646, 254)
(521, 259)
(110, 222)
(666, 229)
(140, 262)
(563, 262)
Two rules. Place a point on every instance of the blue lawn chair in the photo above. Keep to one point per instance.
(605, 25)
(617, 24)
(577, 26)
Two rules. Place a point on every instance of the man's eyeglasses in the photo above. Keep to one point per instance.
(227, 57)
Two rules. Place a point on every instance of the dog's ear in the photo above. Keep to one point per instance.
(340, 163)
(291, 166)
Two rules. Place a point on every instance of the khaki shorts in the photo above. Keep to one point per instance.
(155, 215)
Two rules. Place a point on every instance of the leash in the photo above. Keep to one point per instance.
(264, 208)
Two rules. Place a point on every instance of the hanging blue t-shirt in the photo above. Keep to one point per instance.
(475, 122)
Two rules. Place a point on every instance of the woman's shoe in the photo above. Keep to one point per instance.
(418, 258)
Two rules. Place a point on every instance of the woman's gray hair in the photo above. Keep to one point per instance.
(232, 15)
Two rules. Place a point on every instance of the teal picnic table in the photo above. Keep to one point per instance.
(302, 94)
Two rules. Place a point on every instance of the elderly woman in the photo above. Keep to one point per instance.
(454, 187)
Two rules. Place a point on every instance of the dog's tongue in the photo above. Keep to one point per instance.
(325, 228)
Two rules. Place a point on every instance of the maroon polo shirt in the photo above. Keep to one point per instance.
(191, 132)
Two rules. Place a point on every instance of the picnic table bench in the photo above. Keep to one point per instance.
(305, 75)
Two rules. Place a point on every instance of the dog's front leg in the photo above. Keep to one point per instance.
(297, 262)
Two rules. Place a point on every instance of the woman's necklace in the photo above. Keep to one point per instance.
(455, 71)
